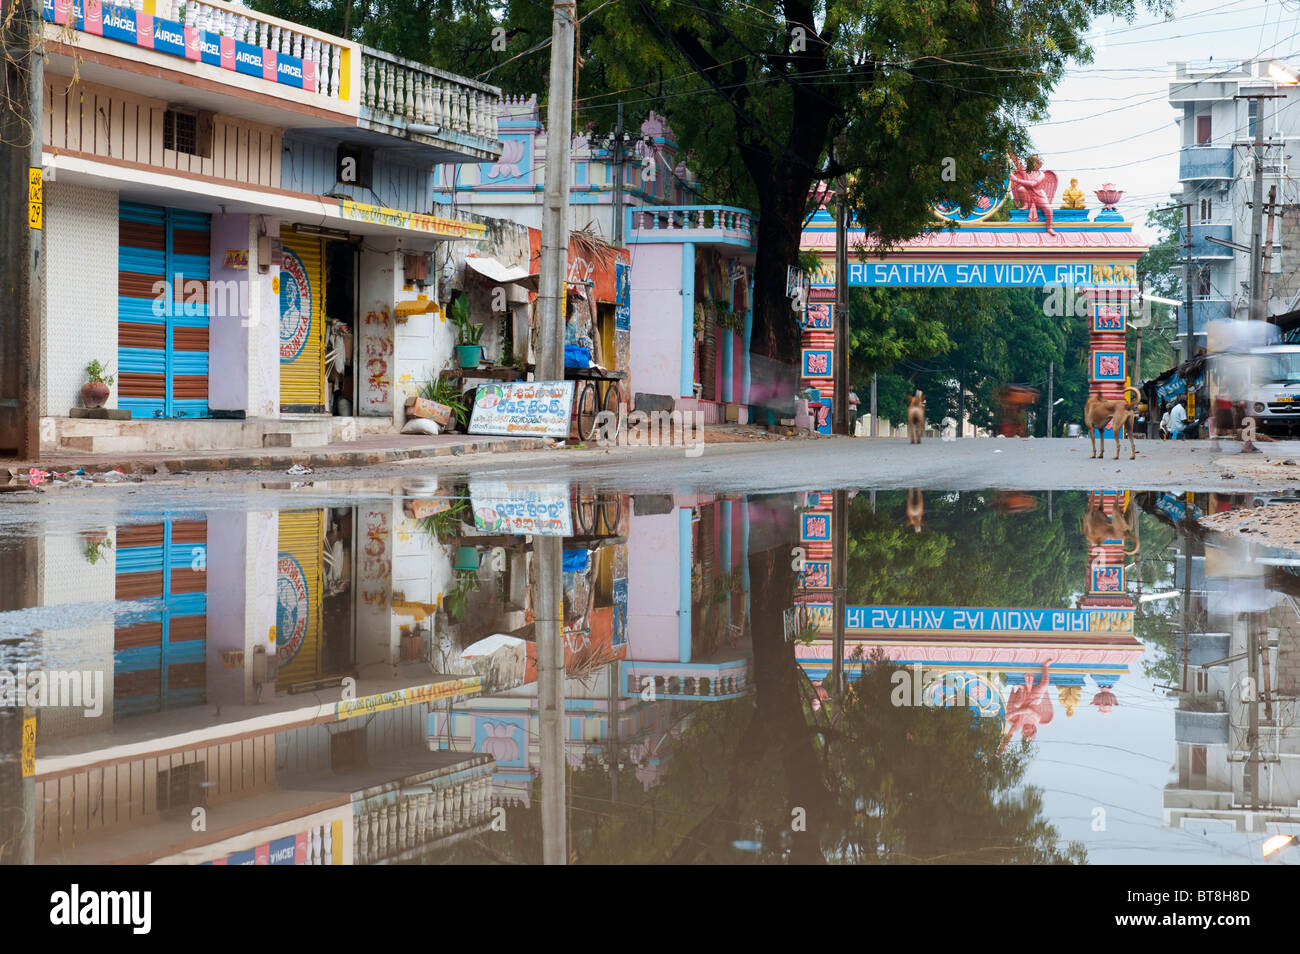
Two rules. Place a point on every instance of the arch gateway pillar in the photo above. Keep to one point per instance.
(1093, 250)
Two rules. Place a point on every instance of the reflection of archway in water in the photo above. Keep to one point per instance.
(1033, 650)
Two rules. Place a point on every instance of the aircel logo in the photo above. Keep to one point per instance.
(168, 35)
(250, 58)
(114, 18)
(209, 48)
(288, 69)
(282, 856)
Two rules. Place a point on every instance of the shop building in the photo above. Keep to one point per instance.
(689, 264)
(240, 225)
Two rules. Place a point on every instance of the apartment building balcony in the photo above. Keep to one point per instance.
(1204, 310)
(708, 225)
(230, 60)
(1202, 248)
(1205, 162)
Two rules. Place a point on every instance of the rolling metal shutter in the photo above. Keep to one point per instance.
(298, 600)
(162, 349)
(159, 654)
(302, 325)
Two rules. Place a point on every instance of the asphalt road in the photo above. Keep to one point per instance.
(883, 463)
(757, 467)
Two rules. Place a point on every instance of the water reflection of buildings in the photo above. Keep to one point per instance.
(1237, 748)
(357, 684)
(1024, 650)
(263, 684)
(656, 622)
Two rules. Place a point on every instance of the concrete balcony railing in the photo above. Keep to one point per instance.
(1205, 162)
(706, 224)
(219, 34)
(423, 814)
(397, 93)
(1202, 248)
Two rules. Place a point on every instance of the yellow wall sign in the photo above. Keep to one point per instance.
(415, 695)
(29, 747)
(35, 198)
(415, 221)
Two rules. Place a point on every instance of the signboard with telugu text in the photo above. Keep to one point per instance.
(523, 409)
(505, 507)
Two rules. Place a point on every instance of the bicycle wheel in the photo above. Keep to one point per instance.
(613, 397)
(587, 407)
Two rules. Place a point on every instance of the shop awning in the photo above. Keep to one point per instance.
(495, 271)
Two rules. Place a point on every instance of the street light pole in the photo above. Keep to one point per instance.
(555, 211)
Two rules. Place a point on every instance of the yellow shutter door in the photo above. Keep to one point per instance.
(298, 597)
(302, 324)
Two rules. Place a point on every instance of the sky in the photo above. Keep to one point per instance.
(1110, 121)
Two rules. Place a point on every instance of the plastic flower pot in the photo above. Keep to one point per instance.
(466, 560)
(469, 355)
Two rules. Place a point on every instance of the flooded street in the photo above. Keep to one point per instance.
(374, 676)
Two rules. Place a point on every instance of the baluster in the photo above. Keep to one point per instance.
(390, 77)
(417, 103)
(440, 815)
(369, 82)
(464, 106)
(227, 21)
(429, 100)
(360, 849)
(403, 824)
(408, 106)
(261, 34)
(334, 63)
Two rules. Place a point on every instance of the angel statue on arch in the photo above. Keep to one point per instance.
(1034, 188)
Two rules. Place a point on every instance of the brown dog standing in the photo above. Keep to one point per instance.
(915, 417)
(1117, 415)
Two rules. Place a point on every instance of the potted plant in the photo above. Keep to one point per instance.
(468, 350)
(94, 393)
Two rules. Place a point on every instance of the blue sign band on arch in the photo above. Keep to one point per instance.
(989, 275)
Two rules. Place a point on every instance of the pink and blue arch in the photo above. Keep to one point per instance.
(1097, 255)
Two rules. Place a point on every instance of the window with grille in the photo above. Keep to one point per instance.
(187, 132)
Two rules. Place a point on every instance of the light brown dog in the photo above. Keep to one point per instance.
(915, 417)
(915, 508)
(1121, 525)
(1117, 415)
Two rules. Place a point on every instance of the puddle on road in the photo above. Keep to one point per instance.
(1027, 677)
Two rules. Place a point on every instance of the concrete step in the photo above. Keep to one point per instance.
(296, 438)
(104, 444)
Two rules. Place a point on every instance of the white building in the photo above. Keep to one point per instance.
(1216, 167)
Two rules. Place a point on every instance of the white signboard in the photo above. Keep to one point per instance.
(523, 409)
(505, 507)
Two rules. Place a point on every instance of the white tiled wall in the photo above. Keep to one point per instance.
(80, 292)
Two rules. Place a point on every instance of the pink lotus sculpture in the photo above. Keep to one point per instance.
(1108, 195)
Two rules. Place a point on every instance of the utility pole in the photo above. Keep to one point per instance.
(875, 427)
(840, 416)
(1258, 309)
(839, 596)
(21, 229)
(1190, 338)
(618, 178)
(961, 403)
(1267, 283)
(1051, 382)
(548, 623)
(555, 211)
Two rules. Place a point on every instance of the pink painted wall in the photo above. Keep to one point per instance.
(652, 595)
(228, 331)
(656, 343)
